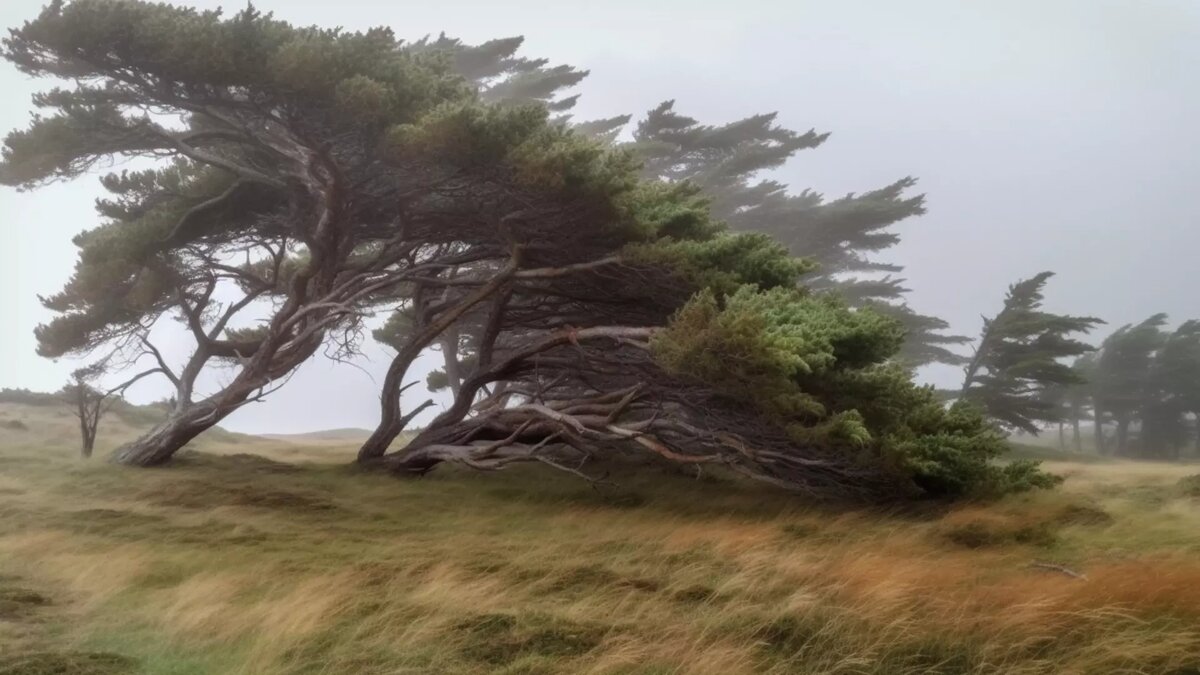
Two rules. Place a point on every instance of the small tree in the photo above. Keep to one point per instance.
(90, 403)
(1018, 361)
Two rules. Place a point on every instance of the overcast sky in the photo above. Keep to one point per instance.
(1047, 134)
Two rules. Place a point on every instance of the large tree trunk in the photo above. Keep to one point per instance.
(392, 422)
(390, 419)
(1062, 437)
(189, 420)
(157, 446)
(1098, 431)
(1075, 435)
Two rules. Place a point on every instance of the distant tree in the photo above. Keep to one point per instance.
(1172, 394)
(841, 236)
(1177, 372)
(1017, 375)
(90, 403)
(726, 161)
(1124, 385)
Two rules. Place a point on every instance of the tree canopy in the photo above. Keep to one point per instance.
(841, 236)
(313, 177)
(1018, 371)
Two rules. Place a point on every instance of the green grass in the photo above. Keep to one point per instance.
(264, 557)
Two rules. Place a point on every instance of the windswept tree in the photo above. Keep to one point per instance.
(279, 200)
(1177, 380)
(610, 316)
(1019, 361)
(726, 161)
(1123, 382)
(1147, 383)
(841, 235)
(309, 177)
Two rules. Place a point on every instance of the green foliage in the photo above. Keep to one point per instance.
(437, 380)
(1149, 377)
(377, 124)
(819, 369)
(839, 236)
(1019, 359)
(396, 330)
(724, 162)
(723, 262)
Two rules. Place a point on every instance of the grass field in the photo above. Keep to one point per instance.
(265, 556)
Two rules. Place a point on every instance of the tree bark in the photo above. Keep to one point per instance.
(391, 422)
(164, 440)
(1075, 435)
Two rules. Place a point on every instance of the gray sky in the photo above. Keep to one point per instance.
(1057, 135)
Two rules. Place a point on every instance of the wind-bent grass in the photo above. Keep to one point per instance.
(230, 563)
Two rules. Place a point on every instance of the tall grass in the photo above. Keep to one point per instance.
(228, 563)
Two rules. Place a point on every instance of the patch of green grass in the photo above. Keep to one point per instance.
(500, 639)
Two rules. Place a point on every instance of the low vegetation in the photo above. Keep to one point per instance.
(288, 561)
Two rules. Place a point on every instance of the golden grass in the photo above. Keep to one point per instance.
(226, 564)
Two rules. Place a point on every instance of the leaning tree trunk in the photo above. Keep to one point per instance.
(164, 440)
(392, 423)
(391, 420)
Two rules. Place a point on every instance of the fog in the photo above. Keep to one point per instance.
(1055, 136)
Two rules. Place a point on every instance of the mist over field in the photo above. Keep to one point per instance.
(675, 337)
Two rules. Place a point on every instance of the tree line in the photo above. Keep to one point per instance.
(592, 295)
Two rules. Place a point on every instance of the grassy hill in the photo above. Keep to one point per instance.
(49, 424)
(349, 435)
(271, 556)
